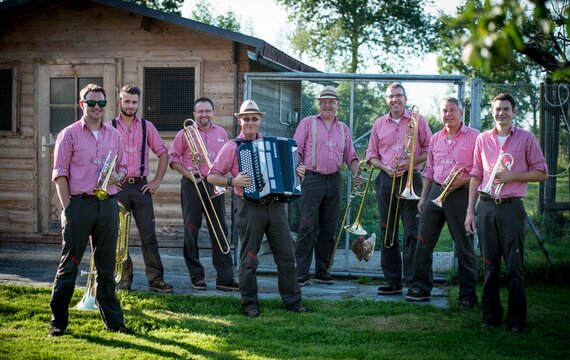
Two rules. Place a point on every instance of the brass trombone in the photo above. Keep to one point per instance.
(499, 165)
(390, 243)
(409, 151)
(453, 174)
(197, 151)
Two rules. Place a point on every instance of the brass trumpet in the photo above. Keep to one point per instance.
(499, 165)
(409, 151)
(453, 174)
(197, 151)
(103, 181)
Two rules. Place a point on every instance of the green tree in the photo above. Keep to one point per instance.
(344, 32)
(170, 6)
(230, 21)
(497, 33)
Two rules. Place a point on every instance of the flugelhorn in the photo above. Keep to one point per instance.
(500, 165)
(103, 181)
(197, 151)
(455, 171)
(409, 151)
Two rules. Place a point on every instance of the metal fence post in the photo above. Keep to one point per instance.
(476, 99)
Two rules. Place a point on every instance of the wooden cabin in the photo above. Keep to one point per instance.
(49, 50)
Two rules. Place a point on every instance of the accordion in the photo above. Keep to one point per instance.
(271, 162)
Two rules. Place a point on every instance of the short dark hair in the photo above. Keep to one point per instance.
(396, 86)
(91, 88)
(505, 96)
(203, 99)
(130, 89)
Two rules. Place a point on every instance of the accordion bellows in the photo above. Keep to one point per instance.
(271, 162)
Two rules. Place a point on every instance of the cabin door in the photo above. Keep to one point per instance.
(58, 106)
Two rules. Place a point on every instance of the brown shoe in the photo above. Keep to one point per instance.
(199, 285)
(233, 286)
(161, 287)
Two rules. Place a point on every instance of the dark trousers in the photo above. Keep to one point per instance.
(431, 223)
(501, 231)
(100, 219)
(143, 212)
(390, 258)
(192, 211)
(254, 220)
(320, 206)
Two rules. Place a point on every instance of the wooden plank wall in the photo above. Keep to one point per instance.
(52, 33)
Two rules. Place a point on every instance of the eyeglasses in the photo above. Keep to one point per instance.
(395, 96)
(91, 103)
(254, 119)
(203, 111)
(328, 102)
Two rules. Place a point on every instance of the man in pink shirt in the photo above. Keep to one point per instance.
(500, 220)
(387, 151)
(325, 143)
(81, 150)
(255, 219)
(213, 137)
(450, 152)
(139, 137)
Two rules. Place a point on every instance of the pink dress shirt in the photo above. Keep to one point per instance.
(131, 140)
(214, 138)
(524, 148)
(227, 161)
(80, 156)
(442, 155)
(388, 138)
(331, 149)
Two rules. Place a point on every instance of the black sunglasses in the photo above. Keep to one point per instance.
(91, 103)
(254, 119)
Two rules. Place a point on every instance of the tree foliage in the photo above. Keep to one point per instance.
(170, 6)
(344, 32)
(230, 21)
(498, 33)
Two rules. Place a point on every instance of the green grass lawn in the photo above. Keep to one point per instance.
(186, 326)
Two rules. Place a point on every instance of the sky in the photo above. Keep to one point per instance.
(270, 24)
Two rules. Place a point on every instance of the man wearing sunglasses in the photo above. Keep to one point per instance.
(325, 143)
(139, 137)
(194, 198)
(255, 219)
(81, 150)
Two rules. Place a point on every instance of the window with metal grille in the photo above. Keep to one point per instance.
(168, 96)
(7, 99)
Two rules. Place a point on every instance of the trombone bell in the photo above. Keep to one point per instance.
(356, 229)
(408, 194)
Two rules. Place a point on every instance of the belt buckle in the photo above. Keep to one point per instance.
(498, 201)
(131, 180)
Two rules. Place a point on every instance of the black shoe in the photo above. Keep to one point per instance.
(161, 287)
(324, 279)
(199, 285)
(55, 331)
(124, 285)
(417, 294)
(300, 309)
(303, 281)
(251, 313)
(232, 286)
(390, 289)
(122, 329)
(467, 303)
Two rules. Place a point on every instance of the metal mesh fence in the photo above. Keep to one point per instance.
(287, 98)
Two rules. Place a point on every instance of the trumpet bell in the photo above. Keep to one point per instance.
(355, 229)
(408, 194)
(438, 202)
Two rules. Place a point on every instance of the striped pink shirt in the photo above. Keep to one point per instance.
(214, 138)
(331, 149)
(227, 161)
(443, 155)
(80, 156)
(131, 140)
(388, 138)
(524, 148)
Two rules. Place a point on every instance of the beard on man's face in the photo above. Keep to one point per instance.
(124, 112)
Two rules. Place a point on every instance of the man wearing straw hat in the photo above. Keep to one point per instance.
(325, 143)
(255, 219)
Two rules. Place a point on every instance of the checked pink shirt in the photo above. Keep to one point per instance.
(524, 148)
(442, 155)
(388, 138)
(214, 138)
(131, 140)
(80, 156)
